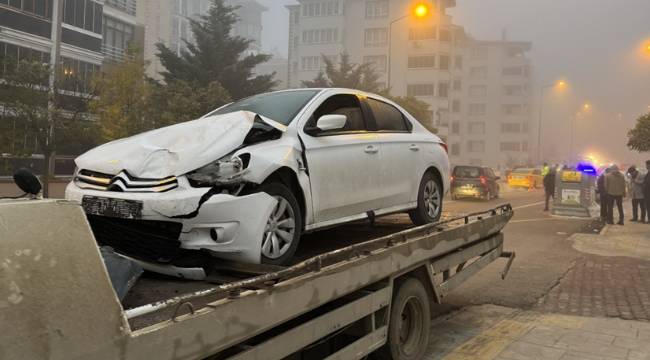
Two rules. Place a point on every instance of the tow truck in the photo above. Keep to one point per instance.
(57, 300)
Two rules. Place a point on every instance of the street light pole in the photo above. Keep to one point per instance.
(539, 122)
(390, 51)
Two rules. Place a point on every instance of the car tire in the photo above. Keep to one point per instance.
(283, 227)
(429, 206)
(410, 322)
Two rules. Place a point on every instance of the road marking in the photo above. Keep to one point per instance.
(529, 205)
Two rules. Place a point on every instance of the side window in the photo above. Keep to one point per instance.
(387, 117)
(342, 104)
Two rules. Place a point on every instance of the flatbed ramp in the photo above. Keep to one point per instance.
(340, 304)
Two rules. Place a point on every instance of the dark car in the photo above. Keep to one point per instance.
(474, 182)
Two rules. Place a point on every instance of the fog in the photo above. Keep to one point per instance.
(592, 44)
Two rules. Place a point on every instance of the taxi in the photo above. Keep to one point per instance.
(525, 178)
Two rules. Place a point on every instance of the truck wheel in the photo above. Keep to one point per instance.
(429, 201)
(410, 322)
(284, 226)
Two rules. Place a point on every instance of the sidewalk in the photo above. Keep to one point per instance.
(501, 333)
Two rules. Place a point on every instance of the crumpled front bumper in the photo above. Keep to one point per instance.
(231, 227)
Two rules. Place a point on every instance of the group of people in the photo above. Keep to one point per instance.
(612, 187)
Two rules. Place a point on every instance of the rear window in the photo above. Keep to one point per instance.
(522, 171)
(387, 117)
(467, 172)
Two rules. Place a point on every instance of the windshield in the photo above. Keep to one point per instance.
(279, 106)
(467, 172)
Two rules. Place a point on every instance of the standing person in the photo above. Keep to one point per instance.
(549, 187)
(615, 187)
(636, 192)
(602, 193)
(545, 170)
(646, 189)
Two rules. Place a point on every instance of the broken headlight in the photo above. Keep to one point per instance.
(228, 170)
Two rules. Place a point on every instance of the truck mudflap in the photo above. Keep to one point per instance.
(59, 319)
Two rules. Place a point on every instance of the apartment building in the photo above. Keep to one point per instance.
(496, 127)
(421, 58)
(26, 33)
(168, 22)
(120, 29)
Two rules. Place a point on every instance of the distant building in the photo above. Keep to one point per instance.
(277, 65)
(422, 59)
(168, 22)
(496, 127)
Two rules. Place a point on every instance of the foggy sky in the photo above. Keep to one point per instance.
(593, 44)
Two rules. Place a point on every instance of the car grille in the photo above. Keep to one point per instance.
(122, 182)
(142, 239)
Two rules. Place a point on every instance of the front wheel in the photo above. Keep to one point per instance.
(283, 227)
(429, 201)
(410, 322)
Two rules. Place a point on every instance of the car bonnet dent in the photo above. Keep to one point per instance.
(174, 150)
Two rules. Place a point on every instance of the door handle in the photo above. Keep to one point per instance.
(414, 147)
(370, 149)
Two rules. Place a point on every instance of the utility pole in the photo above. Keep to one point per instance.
(55, 55)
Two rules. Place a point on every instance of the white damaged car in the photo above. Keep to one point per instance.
(247, 180)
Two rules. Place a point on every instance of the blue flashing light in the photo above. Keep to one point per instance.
(586, 168)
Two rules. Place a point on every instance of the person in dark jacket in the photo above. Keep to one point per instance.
(616, 189)
(646, 190)
(602, 193)
(549, 186)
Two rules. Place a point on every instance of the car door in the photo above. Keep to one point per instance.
(344, 165)
(401, 155)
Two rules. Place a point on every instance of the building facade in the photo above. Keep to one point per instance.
(120, 29)
(496, 127)
(168, 22)
(416, 57)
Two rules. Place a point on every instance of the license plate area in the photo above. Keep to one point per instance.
(117, 208)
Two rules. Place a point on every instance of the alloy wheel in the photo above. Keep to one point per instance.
(432, 199)
(280, 230)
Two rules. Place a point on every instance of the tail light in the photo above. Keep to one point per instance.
(451, 179)
(483, 181)
(444, 146)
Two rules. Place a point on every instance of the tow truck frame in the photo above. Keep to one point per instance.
(337, 305)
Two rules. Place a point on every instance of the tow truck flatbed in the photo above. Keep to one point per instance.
(340, 304)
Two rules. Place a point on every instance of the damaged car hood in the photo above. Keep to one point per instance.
(174, 150)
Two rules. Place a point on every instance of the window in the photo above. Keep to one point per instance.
(419, 90)
(422, 33)
(443, 89)
(510, 128)
(455, 127)
(376, 9)
(457, 85)
(512, 90)
(476, 128)
(387, 117)
(476, 146)
(377, 61)
(320, 36)
(444, 62)
(11, 55)
(342, 104)
(116, 39)
(322, 8)
(419, 62)
(455, 149)
(512, 109)
(512, 71)
(514, 52)
(279, 106)
(510, 146)
(478, 91)
(375, 37)
(477, 109)
(458, 61)
(479, 53)
(36, 7)
(83, 14)
(455, 106)
(310, 63)
(479, 72)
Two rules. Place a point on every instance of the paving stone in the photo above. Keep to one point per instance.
(520, 350)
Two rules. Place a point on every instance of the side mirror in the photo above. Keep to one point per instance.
(331, 122)
(27, 181)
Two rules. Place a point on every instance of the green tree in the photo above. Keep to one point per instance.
(639, 136)
(216, 56)
(122, 105)
(365, 77)
(346, 74)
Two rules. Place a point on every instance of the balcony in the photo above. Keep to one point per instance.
(128, 6)
(112, 53)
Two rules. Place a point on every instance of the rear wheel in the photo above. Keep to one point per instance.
(283, 227)
(410, 322)
(429, 201)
